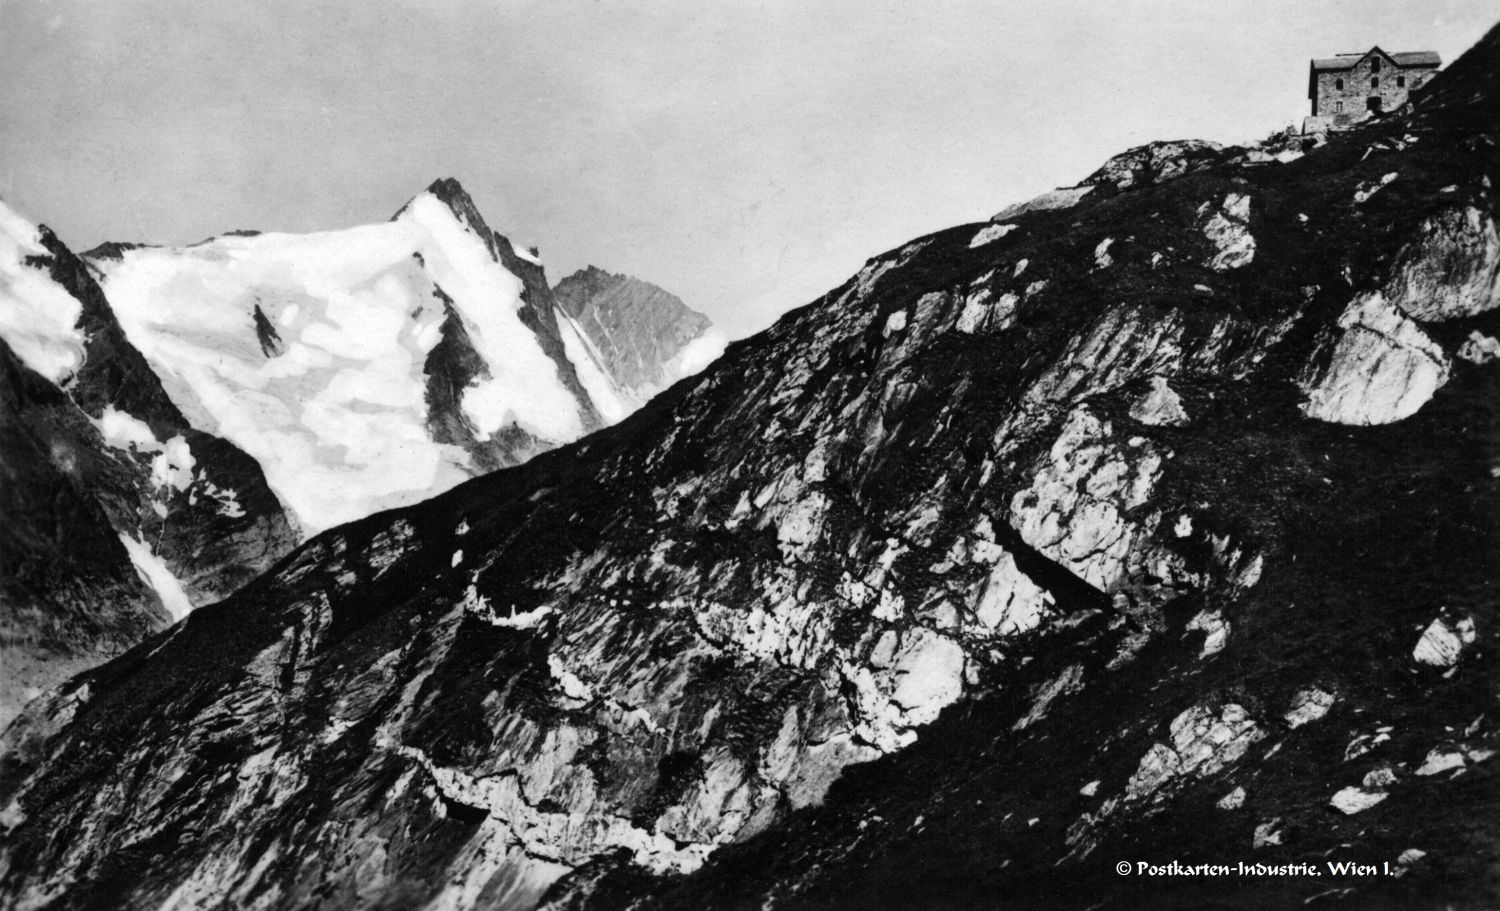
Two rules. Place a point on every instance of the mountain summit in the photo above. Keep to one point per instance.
(370, 367)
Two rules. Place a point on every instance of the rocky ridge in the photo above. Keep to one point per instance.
(1143, 523)
(646, 337)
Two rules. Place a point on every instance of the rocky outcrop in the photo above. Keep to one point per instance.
(1141, 166)
(646, 338)
(1382, 368)
(1442, 642)
(1383, 365)
(1156, 162)
(1451, 269)
(1227, 228)
(1161, 405)
(897, 591)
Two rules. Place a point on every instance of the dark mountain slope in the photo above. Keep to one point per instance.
(1157, 526)
(70, 594)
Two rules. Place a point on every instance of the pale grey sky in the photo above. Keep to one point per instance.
(746, 155)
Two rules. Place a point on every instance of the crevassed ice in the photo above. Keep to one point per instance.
(338, 419)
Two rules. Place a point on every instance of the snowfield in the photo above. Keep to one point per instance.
(333, 406)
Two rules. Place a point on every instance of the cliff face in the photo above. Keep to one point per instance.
(646, 338)
(119, 515)
(1152, 521)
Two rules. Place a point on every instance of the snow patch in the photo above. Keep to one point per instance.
(121, 430)
(692, 358)
(173, 466)
(480, 606)
(229, 502)
(612, 402)
(526, 254)
(153, 571)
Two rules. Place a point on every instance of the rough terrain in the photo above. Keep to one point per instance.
(1153, 521)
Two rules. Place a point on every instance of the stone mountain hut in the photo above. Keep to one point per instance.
(1349, 87)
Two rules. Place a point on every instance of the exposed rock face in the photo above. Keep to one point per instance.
(365, 368)
(119, 515)
(1383, 365)
(1451, 270)
(1160, 405)
(1228, 229)
(1382, 369)
(897, 592)
(1442, 644)
(646, 338)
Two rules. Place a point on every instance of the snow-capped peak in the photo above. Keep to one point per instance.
(402, 360)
